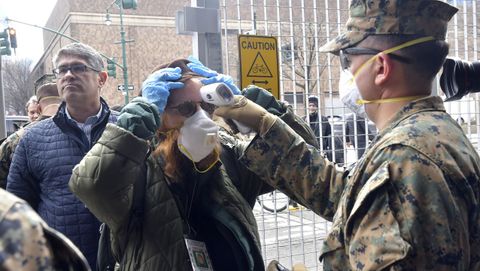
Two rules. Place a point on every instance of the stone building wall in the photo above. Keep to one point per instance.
(151, 26)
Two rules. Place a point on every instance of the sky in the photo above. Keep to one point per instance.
(29, 39)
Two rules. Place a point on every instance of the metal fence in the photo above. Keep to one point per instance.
(301, 27)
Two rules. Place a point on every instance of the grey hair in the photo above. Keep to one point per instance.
(32, 99)
(83, 51)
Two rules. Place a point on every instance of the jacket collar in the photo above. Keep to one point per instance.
(69, 127)
(430, 103)
(62, 110)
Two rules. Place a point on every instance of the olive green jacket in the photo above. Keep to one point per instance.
(106, 178)
(410, 203)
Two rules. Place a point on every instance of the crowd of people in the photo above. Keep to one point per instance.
(166, 183)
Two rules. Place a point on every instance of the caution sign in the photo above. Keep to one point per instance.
(259, 62)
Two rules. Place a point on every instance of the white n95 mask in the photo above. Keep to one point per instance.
(198, 136)
(349, 93)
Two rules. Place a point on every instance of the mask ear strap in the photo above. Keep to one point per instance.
(393, 49)
(390, 100)
(388, 51)
(408, 44)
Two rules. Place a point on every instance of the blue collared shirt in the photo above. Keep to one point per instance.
(86, 127)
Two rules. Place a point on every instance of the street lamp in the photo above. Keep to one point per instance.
(108, 21)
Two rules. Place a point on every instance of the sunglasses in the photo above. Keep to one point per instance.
(188, 108)
(74, 69)
(345, 61)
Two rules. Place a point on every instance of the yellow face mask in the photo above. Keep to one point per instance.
(372, 59)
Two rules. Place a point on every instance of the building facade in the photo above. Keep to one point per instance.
(150, 27)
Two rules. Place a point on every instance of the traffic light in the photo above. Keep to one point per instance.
(129, 4)
(111, 68)
(13, 37)
(4, 43)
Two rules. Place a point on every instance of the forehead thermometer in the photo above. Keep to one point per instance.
(220, 94)
(217, 94)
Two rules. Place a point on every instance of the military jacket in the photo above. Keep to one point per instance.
(8, 147)
(6, 155)
(27, 243)
(410, 203)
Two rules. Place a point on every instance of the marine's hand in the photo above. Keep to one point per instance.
(276, 266)
(210, 75)
(140, 117)
(263, 98)
(156, 88)
(248, 113)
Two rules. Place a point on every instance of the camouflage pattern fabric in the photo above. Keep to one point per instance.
(27, 243)
(380, 17)
(6, 155)
(8, 147)
(23, 245)
(410, 203)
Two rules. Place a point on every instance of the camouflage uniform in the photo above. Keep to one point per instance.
(6, 154)
(410, 203)
(8, 147)
(27, 243)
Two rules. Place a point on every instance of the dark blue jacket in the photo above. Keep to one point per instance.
(40, 171)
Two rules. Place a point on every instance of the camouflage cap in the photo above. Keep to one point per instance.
(391, 17)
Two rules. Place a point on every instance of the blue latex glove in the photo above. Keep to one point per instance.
(156, 88)
(140, 117)
(211, 76)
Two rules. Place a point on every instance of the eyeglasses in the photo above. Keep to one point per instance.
(75, 69)
(188, 108)
(345, 61)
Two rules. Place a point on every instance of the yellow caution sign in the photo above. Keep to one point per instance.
(259, 62)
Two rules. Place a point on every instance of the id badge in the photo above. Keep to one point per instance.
(199, 257)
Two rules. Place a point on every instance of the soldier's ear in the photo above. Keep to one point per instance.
(383, 67)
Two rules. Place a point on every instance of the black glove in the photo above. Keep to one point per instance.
(264, 98)
(140, 117)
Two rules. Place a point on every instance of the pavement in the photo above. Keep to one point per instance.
(291, 236)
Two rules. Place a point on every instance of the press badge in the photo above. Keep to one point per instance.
(198, 255)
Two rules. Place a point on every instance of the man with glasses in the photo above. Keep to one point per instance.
(48, 151)
(412, 201)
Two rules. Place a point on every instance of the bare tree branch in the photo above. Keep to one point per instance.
(17, 85)
(304, 51)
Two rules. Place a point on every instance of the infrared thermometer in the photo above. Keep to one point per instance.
(220, 94)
